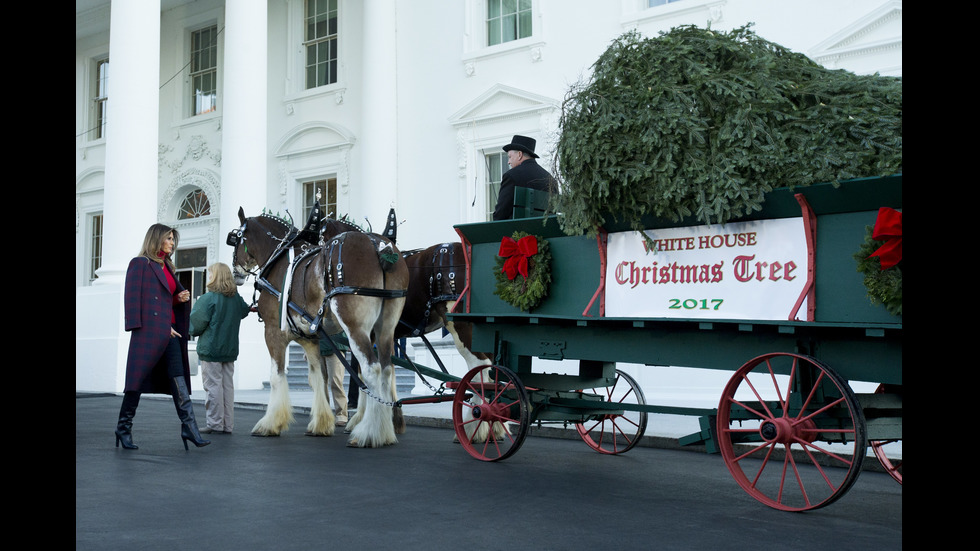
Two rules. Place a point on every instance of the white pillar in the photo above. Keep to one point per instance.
(132, 134)
(244, 156)
(379, 140)
(131, 191)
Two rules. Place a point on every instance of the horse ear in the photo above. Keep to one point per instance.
(241, 215)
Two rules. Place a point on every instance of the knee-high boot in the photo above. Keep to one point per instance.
(185, 411)
(124, 428)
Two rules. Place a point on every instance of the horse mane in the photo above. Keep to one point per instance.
(278, 219)
(343, 221)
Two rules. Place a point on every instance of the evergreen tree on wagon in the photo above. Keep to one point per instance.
(702, 124)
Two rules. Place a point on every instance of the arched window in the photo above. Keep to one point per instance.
(194, 205)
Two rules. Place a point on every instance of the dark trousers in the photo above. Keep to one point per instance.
(175, 363)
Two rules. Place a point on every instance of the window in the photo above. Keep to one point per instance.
(653, 3)
(326, 191)
(191, 267)
(496, 166)
(508, 20)
(204, 72)
(95, 260)
(101, 95)
(195, 205)
(321, 42)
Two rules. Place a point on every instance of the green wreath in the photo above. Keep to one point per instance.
(523, 279)
(884, 286)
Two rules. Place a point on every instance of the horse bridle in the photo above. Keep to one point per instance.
(237, 236)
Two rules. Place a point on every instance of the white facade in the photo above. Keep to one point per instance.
(419, 100)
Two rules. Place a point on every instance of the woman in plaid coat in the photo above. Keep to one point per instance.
(157, 309)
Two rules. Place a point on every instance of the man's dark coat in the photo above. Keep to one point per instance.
(528, 174)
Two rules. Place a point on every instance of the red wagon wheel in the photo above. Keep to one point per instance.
(491, 402)
(791, 432)
(894, 468)
(616, 432)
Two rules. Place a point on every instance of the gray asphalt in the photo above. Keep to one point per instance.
(300, 492)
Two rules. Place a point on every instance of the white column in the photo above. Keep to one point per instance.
(130, 195)
(132, 134)
(244, 155)
(378, 142)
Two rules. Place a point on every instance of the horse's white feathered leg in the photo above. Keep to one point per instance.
(321, 416)
(375, 428)
(358, 412)
(279, 413)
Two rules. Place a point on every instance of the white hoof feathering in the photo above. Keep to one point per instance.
(322, 421)
(374, 427)
(279, 413)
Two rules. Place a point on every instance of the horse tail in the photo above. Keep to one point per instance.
(387, 257)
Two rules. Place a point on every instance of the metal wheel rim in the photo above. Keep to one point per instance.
(506, 401)
(753, 443)
(617, 433)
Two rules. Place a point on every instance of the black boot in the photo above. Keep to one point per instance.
(185, 411)
(124, 428)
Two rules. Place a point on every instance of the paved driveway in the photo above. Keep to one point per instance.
(296, 492)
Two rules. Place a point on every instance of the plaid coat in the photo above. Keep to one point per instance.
(149, 306)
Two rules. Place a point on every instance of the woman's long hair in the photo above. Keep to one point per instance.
(220, 280)
(153, 244)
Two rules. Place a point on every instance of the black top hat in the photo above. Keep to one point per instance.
(522, 143)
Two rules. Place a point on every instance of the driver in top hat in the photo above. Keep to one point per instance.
(524, 171)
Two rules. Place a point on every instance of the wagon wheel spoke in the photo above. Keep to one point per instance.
(491, 413)
(881, 450)
(791, 432)
(616, 431)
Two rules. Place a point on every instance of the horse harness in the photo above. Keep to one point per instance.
(442, 283)
(334, 273)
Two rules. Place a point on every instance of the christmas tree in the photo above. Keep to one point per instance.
(704, 123)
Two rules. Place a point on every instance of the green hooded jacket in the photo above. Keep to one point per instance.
(215, 319)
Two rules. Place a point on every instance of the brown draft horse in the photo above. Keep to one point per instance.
(435, 281)
(436, 278)
(436, 275)
(349, 281)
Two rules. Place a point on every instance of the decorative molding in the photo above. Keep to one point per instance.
(502, 102)
(196, 150)
(282, 169)
(534, 50)
(640, 14)
(204, 179)
(461, 155)
(880, 31)
(314, 136)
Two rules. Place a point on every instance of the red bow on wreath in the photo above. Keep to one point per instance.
(517, 253)
(888, 228)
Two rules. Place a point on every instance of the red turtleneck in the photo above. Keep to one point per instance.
(171, 283)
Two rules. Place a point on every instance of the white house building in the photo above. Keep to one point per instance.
(187, 110)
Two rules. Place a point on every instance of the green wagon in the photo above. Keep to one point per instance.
(788, 424)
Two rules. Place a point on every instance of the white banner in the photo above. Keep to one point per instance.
(746, 270)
